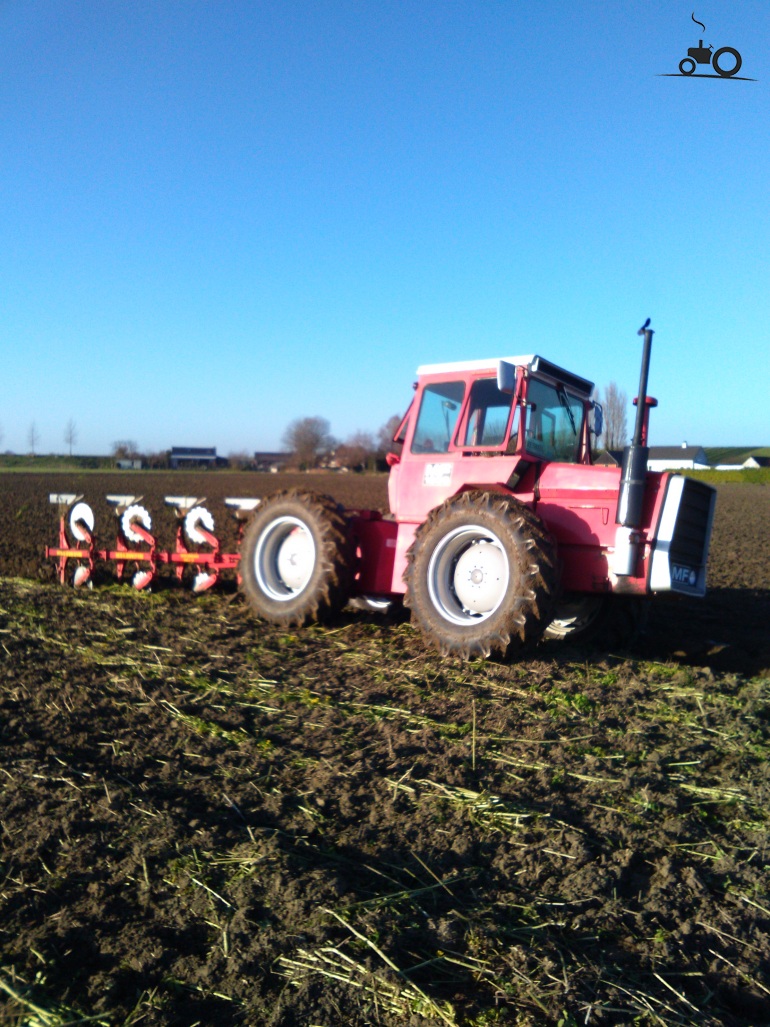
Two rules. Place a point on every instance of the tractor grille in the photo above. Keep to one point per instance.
(689, 545)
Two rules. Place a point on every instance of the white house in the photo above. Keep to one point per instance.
(676, 458)
(751, 462)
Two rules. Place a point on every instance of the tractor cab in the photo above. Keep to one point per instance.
(485, 422)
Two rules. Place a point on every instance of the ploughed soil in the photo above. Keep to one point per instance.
(207, 820)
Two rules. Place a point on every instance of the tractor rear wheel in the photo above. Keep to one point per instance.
(737, 62)
(297, 558)
(606, 620)
(481, 576)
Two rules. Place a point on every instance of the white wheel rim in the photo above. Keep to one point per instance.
(468, 575)
(284, 558)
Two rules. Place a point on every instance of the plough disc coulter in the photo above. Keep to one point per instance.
(136, 549)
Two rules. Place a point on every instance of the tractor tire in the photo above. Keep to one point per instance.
(605, 620)
(297, 559)
(481, 576)
(736, 66)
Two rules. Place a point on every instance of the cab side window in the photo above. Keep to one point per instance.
(488, 412)
(439, 409)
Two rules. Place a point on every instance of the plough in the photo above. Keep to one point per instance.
(136, 546)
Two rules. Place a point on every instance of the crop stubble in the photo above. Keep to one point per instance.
(204, 819)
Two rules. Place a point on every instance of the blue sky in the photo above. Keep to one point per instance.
(218, 215)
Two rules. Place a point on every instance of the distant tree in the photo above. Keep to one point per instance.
(33, 438)
(356, 452)
(125, 449)
(241, 460)
(387, 431)
(308, 438)
(157, 461)
(615, 403)
(70, 434)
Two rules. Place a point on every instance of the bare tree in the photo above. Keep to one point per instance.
(157, 461)
(308, 438)
(241, 460)
(387, 431)
(125, 449)
(356, 451)
(70, 434)
(615, 403)
(33, 438)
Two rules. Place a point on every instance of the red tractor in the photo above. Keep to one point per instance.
(501, 528)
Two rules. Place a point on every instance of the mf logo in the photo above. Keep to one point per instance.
(726, 62)
(684, 575)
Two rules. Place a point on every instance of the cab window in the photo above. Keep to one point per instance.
(554, 422)
(488, 412)
(439, 409)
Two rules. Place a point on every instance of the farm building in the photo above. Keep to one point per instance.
(190, 456)
(749, 463)
(274, 462)
(677, 458)
(661, 458)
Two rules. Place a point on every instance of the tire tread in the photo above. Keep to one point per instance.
(524, 617)
(334, 551)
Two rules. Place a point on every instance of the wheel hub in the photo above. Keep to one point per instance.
(479, 577)
(284, 558)
(468, 574)
(295, 559)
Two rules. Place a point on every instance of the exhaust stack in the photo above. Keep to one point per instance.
(634, 469)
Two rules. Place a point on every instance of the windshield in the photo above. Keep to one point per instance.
(554, 422)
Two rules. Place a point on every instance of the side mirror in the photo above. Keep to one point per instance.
(506, 377)
(598, 427)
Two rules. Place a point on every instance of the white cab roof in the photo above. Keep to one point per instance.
(474, 365)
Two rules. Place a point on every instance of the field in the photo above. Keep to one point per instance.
(205, 820)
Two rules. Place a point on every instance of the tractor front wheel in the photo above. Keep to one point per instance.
(481, 576)
(297, 558)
